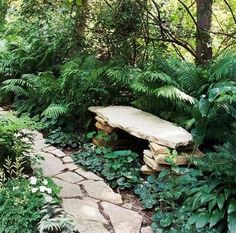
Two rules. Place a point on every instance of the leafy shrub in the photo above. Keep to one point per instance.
(14, 142)
(214, 114)
(120, 168)
(21, 203)
(187, 201)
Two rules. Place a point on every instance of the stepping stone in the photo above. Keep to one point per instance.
(58, 153)
(70, 177)
(87, 174)
(123, 220)
(39, 144)
(67, 159)
(100, 190)
(83, 211)
(68, 190)
(49, 149)
(90, 227)
(51, 165)
(147, 230)
(71, 166)
(144, 125)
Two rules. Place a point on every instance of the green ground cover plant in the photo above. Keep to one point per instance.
(119, 168)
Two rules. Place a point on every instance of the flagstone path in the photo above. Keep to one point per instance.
(91, 203)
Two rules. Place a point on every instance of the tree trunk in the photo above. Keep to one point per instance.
(82, 15)
(203, 38)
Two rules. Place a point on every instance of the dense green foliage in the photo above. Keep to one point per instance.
(119, 168)
(57, 58)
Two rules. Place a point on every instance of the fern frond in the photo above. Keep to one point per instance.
(56, 110)
(173, 94)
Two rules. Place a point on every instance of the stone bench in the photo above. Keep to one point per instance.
(163, 136)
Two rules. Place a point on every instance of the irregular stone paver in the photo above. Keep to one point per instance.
(83, 210)
(67, 159)
(100, 190)
(70, 177)
(147, 230)
(50, 148)
(40, 144)
(144, 125)
(90, 227)
(68, 189)
(71, 166)
(57, 153)
(51, 165)
(87, 174)
(123, 220)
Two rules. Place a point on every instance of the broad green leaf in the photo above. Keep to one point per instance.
(204, 106)
(79, 2)
(216, 216)
(221, 201)
(232, 222)
(232, 206)
(202, 220)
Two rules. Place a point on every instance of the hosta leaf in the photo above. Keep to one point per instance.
(232, 206)
(216, 216)
(221, 201)
(202, 219)
(232, 223)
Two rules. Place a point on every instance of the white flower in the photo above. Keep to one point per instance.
(45, 182)
(42, 189)
(33, 180)
(48, 199)
(34, 190)
(49, 190)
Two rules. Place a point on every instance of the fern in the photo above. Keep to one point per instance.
(56, 110)
(224, 67)
(54, 219)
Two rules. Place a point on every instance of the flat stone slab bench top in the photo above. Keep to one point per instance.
(144, 125)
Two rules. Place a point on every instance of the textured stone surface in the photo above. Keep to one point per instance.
(123, 220)
(51, 165)
(90, 226)
(68, 189)
(70, 177)
(67, 159)
(71, 166)
(49, 149)
(144, 125)
(40, 144)
(83, 210)
(147, 230)
(101, 191)
(87, 174)
(158, 149)
(58, 153)
(147, 170)
(150, 162)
